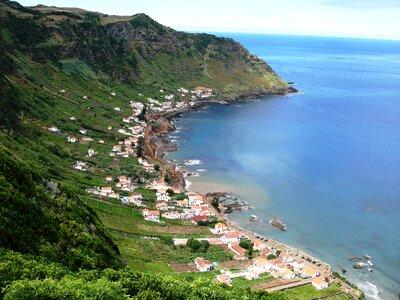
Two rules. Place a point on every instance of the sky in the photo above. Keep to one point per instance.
(347, 18)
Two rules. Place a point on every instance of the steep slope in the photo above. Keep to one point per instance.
(48, 220)
(78, 71)
(59, 63)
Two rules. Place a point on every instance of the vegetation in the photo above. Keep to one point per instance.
(309, 292)
(45, 219)
(27, 277)
(70, 69)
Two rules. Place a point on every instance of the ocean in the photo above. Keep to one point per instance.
(326, 161)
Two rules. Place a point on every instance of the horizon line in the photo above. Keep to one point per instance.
(394, 39)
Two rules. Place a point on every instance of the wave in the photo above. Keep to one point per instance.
(201, 170)
(192, 162)
(370, 290)
(187, 184)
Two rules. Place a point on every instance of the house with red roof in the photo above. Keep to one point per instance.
(203, 265)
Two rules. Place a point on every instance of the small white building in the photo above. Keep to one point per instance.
(163, 197)
(231, 237)
(91, 152)
(72, 139)
(54, 129)
(319, 283)
(162, 206)
(203, 265)
(151, 215)
(220, 228)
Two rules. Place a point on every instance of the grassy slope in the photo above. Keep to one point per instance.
(34, 69)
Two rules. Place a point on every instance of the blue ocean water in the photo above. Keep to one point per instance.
(326, 161)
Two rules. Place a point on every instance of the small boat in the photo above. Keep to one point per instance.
(278, 223)
(370, 270)
(253, 218)
(367, 257)
(344, 270)
(370, 263)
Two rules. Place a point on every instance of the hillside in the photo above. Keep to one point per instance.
(71, 69)
(83, 99)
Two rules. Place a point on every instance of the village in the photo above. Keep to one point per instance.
(256, 257)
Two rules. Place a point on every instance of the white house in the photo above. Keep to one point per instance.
(220, 228)
(261, 264)
(258, 244)
(319, 283)
(309, 272)
(203, 265)
(173, 215)
(231, 236)
(162, 206)
(151, 215)
(54, 129)
(91, 152)
(113, 195)
(298, 265)
(72, 139)
(288, 274)
(163, 197)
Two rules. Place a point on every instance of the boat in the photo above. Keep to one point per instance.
(344, 270)
(278, 223)
(253, 218)
(367, 256)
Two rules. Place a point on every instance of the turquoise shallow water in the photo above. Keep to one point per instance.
(326, 161)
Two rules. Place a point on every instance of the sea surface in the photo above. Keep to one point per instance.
(326, 161)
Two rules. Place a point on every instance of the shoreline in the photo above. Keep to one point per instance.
(158, 147)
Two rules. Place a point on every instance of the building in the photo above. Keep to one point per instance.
(196, 219)
(220, 228)
(72, 139)
(224, 279)
(184, 203)
(286, 258)
(237, 250)
(298, 265)
(195, 199)
(151, 215)
(203, 265)
(134, 198)
(288, 274)
(258, 244)
(90, 152)
(261, 264)
(163, 197)
(104, 191)
(266, 252)
(113, 195)
(173, 215)
(319, 283)
(309, 272)
(109, 178)
(231, 236)
(162, 206)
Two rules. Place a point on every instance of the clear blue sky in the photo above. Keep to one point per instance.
(352, 18)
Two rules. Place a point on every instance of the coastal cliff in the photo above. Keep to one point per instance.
(85, 99)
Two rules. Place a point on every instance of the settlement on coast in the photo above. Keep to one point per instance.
(254, 255)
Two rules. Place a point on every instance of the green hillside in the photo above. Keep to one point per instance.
(67, 72)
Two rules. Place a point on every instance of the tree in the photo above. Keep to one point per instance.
(246, 244)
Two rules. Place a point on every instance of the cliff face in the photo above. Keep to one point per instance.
(136, 50)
